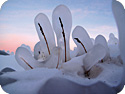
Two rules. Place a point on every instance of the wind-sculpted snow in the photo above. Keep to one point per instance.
(64, 86)
(37, 80)
(65, 16)
(80, 33)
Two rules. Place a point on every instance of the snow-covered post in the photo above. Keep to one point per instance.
(62, 23)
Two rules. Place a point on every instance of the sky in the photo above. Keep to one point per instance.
(17, 20)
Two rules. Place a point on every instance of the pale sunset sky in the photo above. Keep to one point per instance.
(17, 20)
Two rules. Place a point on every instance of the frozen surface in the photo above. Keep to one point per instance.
(39, 53)
(101, 40)
(74, 53)
(27, 47)
(114, 50)
(25, 59)
(64, 13)
(119, 14)
(80, 33)
(113, 40)
(97, 53)
(43, 20)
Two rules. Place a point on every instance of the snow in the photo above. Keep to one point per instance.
(64, 13)
(75, 65)
(26, 79)
(80, 33)
(9, 61)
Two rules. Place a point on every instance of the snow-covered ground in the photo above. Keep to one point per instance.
(9, 61)
(106, 73)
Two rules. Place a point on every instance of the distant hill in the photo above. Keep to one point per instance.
(3, 53)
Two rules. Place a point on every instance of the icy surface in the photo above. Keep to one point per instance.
(114, 50)
(112, 39)
(64, 13)
(93, 41)
(39, 53)
(80, 33)
(55, 59)
(27, 47)
(97, 53)
(23, 56)
(101, 40)
(74, 53)
(119, 14)
(43, 20)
